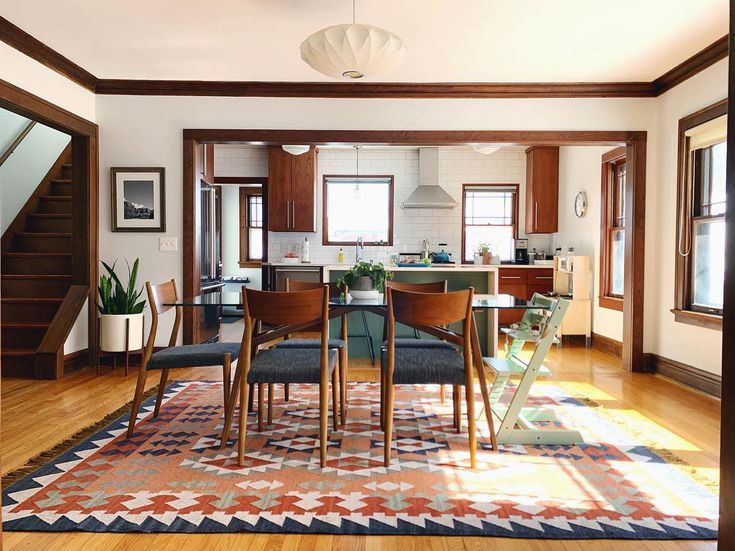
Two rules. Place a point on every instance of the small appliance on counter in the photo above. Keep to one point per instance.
(442, 257)
(521, 254)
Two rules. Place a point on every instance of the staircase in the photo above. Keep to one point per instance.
(36, 269)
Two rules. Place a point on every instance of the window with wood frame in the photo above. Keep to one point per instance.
(489, 215)
(357, 207)
(251, 226)
(700, 246)
(612, 229)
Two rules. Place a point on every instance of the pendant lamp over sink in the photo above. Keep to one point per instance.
(353, 51)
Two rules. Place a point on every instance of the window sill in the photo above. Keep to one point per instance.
(699, 319)
(250, 264)
(612, 303)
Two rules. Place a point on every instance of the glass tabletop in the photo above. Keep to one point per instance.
(479, 301)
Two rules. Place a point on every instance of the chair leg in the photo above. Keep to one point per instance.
(442, 394)
(285, 392)
(387, 442)
(251, 398)
(270, 404)
(226, 374)
(137, 399)
(261, 392)
(244, 391)
(343, 385)
(382, 394)
(335, 399)
(470, 397)
(230, 409)
(458, 407)
(159, 395)
(323, 420)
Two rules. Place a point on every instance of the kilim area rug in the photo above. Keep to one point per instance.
(172, 477)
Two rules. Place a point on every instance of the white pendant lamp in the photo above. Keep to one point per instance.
(295, 149)
(484, 149)
(353, 51)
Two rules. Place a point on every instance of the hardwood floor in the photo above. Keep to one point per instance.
(38, 414)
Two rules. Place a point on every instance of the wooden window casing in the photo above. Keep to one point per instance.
(248, 197)
(612, 223)
(499, 187)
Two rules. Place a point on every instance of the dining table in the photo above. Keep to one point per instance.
(339, 306)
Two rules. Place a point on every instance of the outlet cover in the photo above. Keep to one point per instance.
(168, 244)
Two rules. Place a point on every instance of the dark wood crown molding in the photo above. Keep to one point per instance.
(23, 42)
(687, 69)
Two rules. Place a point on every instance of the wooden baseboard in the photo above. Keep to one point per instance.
(688, 375)
(608, 345)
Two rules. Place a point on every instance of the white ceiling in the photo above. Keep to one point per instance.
(447, 40)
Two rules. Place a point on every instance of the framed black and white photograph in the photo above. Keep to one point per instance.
(138, 200)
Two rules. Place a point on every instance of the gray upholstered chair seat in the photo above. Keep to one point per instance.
(427, 366)
(289, 365)
(193, 355)
(433, 344)
(310, 343)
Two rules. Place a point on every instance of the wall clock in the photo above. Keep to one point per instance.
(580, 204)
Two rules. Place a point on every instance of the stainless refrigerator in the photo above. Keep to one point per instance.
(210, 258)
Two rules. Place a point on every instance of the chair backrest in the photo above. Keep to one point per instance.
(552, 316)
(157, 296)
(296, 285)
(277, 308)
(430, 309)
(428, 287)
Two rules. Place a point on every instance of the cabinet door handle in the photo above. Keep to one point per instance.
(288, 216)
(293, 214)
(535, 215)
(297, 271)
(544, 277)
(510, 277)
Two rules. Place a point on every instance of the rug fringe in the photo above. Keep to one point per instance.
(65, 445)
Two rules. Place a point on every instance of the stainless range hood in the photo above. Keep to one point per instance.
(429, 194)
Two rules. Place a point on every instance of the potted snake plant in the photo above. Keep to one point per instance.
(365, 279)
(120, 310)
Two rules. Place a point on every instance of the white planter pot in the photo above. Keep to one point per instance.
(112, 332)
(495, 259)
(478, 260)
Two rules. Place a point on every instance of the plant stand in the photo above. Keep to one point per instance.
(126, 351)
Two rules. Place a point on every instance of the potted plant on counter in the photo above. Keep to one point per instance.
(483, 253)
(121, 313)
(365, 279)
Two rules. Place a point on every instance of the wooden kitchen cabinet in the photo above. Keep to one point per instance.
(542, 189)
(207, 162)
(522, 283)
(291, 191)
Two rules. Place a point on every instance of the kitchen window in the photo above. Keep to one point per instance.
(700, 254)
(612, 238)
(357, 207)
(489, 215)
(251, 226)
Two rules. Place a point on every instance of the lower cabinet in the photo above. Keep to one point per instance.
(274, 277)
(522, 283)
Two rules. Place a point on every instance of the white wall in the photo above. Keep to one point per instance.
(231, 238)
(147, 131)
(579, 170)
(26, 73)
(692, 345)
(26, 167)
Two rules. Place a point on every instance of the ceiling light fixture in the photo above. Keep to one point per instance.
(295, 149)
(485, 149)
(353, 51)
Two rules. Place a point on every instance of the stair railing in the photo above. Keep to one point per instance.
(16, 142)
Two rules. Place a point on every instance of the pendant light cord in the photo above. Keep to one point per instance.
(353, 11)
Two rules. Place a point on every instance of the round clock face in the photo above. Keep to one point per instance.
(580, 204)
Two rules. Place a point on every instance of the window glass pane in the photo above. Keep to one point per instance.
(358, 209)
(617, 262)
(255, 244)
(708, 263)
(489, 207)
(717, 182)
(500, 239)
(255, 214)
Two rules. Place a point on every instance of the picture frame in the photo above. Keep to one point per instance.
(138, 199)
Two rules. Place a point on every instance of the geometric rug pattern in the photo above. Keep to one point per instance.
(172, 477)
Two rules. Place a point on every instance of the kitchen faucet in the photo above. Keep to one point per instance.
(358, 247)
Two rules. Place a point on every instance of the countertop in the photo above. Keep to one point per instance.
(434, 267)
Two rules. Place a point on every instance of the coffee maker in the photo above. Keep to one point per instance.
(521, 255)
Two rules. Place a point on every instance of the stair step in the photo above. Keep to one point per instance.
(55, 204)
(27, 285)
(61, 187)
(42, 242)
(18, 362)
(29, 309)
(22, 334)
(44, 222)
(36, 263)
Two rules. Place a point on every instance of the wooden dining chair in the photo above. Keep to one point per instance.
(430, 366)
(284, 313)
(416, 341)
(193, 355)
(340, 344)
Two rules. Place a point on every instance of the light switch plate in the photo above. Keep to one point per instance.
(168, 244)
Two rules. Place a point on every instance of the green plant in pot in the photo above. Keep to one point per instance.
(365, 279)
(121, 310)
(483, 253)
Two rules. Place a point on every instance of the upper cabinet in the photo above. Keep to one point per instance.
(207, 162)
(542, 189)
(291, 191)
